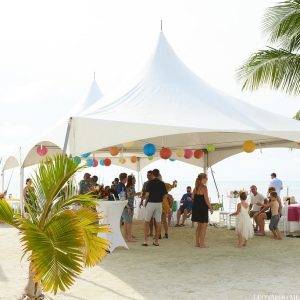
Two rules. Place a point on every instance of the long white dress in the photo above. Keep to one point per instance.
(243, 224)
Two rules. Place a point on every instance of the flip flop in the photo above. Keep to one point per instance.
(145, 244)
(154, 244)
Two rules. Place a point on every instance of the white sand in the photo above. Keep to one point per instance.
(175, 270)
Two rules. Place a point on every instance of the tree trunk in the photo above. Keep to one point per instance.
(32, 290)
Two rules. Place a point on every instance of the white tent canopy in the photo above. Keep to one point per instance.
(171, 107)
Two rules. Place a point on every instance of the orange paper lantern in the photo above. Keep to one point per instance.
(114, 151)
(249, 146)
(107, 162)
(133, 159)
(198, 153)
(165, 153)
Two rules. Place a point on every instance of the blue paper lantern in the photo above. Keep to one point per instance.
(101, 162)
(90, 162)
(172, 159)
(86, 155)
(77, 160)
(149, 149)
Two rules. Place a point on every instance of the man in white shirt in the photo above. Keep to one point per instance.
(257, 201)
(276, 183)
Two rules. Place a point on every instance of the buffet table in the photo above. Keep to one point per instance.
(112, 211)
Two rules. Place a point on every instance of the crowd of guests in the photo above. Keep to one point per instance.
(195, 203)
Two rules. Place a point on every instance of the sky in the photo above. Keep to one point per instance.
(50, 50)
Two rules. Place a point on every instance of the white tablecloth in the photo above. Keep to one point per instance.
(112, 211)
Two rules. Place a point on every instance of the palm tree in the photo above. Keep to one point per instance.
(297, 116)
(277, 67)
(58, 241)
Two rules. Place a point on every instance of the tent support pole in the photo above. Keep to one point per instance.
(67, 136)
(139, 173)
(205, 167)
(21, 183)
(21, 190)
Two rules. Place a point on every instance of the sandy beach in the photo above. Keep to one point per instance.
(175, 270)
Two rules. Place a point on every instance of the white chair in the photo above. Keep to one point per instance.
(225, 215)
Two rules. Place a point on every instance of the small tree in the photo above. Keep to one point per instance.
(59, 241)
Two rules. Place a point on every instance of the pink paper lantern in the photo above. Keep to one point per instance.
(95, 162)
(41, 150)
(188, 153)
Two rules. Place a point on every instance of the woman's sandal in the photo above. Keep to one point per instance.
(154, 244)
(145, 244)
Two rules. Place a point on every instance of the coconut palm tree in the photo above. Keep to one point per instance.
(58, 242)
(278, 66)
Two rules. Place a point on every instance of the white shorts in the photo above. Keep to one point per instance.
(153, 210)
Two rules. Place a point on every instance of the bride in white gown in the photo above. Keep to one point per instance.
(244, 227)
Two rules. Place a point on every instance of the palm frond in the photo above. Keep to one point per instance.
(55, 252)
(95, 247)
(277, 69)
(7, 214)
(49, 180)
(282, 24)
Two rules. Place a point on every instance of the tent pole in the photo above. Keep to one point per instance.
(205, 167)
(21, 183)
(216, 186)
(67, 136)
(139, 173)
(21, 190)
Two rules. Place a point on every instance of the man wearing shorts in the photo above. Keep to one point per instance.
(257, 202)
(155, 191)
(185, 207)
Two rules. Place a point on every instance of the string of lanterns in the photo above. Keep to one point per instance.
(149, 150)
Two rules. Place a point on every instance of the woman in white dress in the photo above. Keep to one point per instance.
(244, 227)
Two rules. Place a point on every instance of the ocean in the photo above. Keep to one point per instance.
(290, 188)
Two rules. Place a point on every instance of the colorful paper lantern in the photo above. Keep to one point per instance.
(188, 153)
(77, 160)
(41, 150)
(128, 145)
(101, 162)
(198, 153)
(133, 159)
(210, 148)
(90, 162)
(122, 160)
(114, 151)
(165, 153)
(86, 155)
(150, 157)
(107, 162)
(172, 159)
(149, 149)
(95, 163)
(249, 146)
(180, 152)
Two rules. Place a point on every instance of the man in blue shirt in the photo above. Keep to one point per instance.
(121, 188)
(185, 207)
